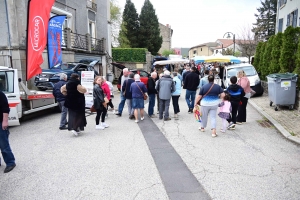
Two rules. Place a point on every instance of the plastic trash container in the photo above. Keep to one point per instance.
(109, 77)
(282, 89)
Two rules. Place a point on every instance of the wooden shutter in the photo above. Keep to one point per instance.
(295, 18)
(288, 20)
(280, 23)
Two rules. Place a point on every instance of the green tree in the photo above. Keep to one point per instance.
(149, 34)
(267, 57)
(275, 53)
(123, 40)
(265, 24)
(130, 24)
(297, 62)
(261, 58)
(289, 48)
(166, 52)
(228, 51)
(257, 56)
(115, 21)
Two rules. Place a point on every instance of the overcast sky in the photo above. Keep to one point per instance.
(199, 21)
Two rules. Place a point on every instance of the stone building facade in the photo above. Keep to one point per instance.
(86, 32)
(166, 33)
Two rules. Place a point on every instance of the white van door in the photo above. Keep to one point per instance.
(9, 86)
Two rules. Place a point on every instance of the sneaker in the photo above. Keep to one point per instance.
(231, 124)
(114, 112)
(239, 123)
(104, 125)
(152, 116)
(167, 119)
(119, 114)
(106, 116)
(74, 133)
(99, 127)
(175, 115)
(232, 127)
(136, 121)
(142, 118)
(131, 117)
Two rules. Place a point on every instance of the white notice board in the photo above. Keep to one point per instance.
(87, 79)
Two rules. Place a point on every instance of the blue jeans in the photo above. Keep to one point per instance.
(64, 112)
(190, 98)
(7, 154)
(151, 104)
(122, 103)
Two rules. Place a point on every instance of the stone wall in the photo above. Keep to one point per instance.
(297, 101)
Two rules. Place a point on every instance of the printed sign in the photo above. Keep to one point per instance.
(87, 79)
(286, 84)
(38, 16)
(54, 39)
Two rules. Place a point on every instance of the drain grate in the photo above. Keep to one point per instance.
(265, 123)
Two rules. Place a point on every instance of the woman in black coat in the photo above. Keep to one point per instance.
(99, 103)
(75, 102)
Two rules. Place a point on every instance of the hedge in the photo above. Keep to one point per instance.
(129, 54)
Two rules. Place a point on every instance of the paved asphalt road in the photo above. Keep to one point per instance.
(151, 160)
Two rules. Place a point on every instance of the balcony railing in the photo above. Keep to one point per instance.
(97, 45)
(91, 5)
(74, 41)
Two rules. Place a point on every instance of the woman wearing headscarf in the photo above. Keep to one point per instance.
(75, 102)
(242, 109)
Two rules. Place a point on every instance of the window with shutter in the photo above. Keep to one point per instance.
(280, 23)
(295, 18)
(288, 20)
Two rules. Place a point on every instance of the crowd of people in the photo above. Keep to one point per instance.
(162, 90)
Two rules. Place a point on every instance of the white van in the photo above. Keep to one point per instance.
(251, 73)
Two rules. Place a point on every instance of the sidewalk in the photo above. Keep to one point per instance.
(286, 121)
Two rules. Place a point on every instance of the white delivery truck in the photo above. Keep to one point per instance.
(21, 100)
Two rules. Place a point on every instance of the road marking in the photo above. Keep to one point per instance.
(178, 180)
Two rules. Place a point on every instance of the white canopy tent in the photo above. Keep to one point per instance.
(172, 62)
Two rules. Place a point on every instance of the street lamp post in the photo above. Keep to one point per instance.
(228, 36)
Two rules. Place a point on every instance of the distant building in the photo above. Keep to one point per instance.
(166, 32)
(287, 15)
(181, 51)
(204, 49)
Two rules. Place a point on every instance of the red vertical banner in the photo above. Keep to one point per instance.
(37, 27)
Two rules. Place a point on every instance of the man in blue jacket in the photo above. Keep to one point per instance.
(7, 154)
(60, 98)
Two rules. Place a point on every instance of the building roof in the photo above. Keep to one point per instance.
(208, 44)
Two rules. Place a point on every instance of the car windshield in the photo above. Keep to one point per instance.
(249, 71)
(64, 66)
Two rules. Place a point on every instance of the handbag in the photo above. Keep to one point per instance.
(144, 95)
(206, 93)
(92, 109)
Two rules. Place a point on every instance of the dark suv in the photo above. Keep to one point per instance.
(48, 77)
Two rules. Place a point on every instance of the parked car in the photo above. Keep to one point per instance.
(144, 75)
(251, 73)
(48, 77)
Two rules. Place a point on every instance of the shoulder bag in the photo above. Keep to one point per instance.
(206, 93)
(145, 96)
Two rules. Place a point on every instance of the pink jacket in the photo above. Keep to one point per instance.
(106, 90)
(245, 84)
(226, 107)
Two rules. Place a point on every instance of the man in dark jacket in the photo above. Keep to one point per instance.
(7, 154)
(60, 98)
(191, 83)
(151, 92)
(128, 95)
(236, 94)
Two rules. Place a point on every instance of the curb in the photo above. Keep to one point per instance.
(278, 126)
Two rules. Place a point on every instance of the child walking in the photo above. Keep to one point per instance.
(225, 110)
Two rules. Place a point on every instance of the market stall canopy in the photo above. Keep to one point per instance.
(199, 59)
(221, 58)
(172, 62)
